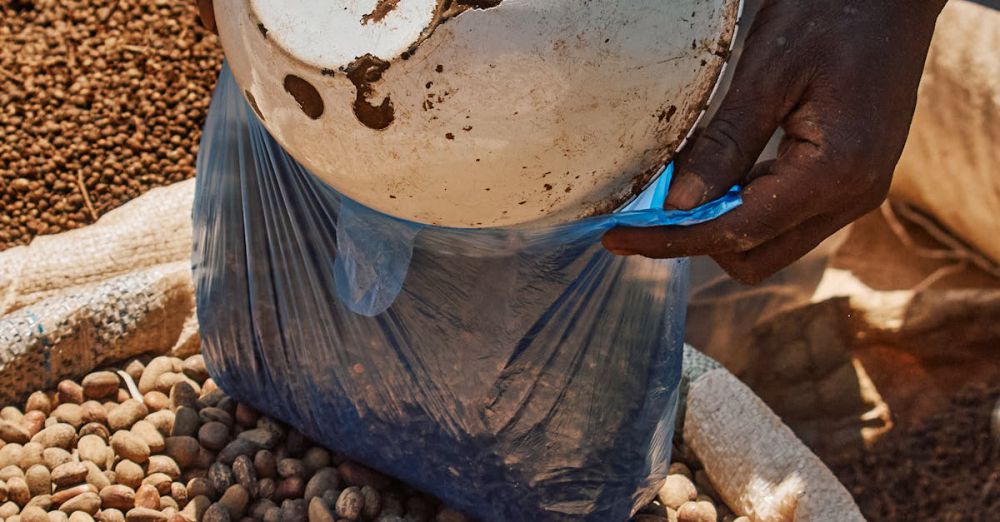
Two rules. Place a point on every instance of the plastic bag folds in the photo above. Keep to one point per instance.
(518, 375)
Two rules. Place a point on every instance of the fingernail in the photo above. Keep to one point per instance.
(686, 193)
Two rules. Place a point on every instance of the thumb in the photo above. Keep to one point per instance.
(723, 153)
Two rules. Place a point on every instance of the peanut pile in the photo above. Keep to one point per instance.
(159, 442)
(687, 496)
(177, 449)
(100, 100)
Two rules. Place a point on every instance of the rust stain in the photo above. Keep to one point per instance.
(305, 95)
(382, 9)
(364, 72)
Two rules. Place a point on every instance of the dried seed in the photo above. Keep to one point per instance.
(351, 503)
(69, 474)
(100, 385)
(130, 446)
(70, 392)
(118, 496)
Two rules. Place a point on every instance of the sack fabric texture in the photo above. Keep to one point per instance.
(517, 374)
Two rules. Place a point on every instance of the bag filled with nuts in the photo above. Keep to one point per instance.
(516, 374)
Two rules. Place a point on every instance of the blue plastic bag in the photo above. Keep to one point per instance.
(515, 374)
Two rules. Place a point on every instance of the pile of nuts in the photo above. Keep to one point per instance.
(159, 442)
(100, 100)
(687, 496)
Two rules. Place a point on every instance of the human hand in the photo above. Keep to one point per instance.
(840, 77)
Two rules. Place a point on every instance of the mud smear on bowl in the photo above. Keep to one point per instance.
(364, 72)
(305, 95)
(382, 9)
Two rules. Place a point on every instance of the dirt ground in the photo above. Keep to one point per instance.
(101, 100)
(945, 469)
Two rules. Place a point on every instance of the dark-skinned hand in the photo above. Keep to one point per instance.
(840, 78)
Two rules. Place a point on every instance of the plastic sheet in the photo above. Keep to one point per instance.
(516, 374)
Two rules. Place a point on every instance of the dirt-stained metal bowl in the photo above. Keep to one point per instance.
(480, 113)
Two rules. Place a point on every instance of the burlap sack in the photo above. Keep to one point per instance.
(951, 165)
(77, 300)
(148, 231)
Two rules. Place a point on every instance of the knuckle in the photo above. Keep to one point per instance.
(721, 141)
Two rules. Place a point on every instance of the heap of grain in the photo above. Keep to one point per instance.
(100, 100)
